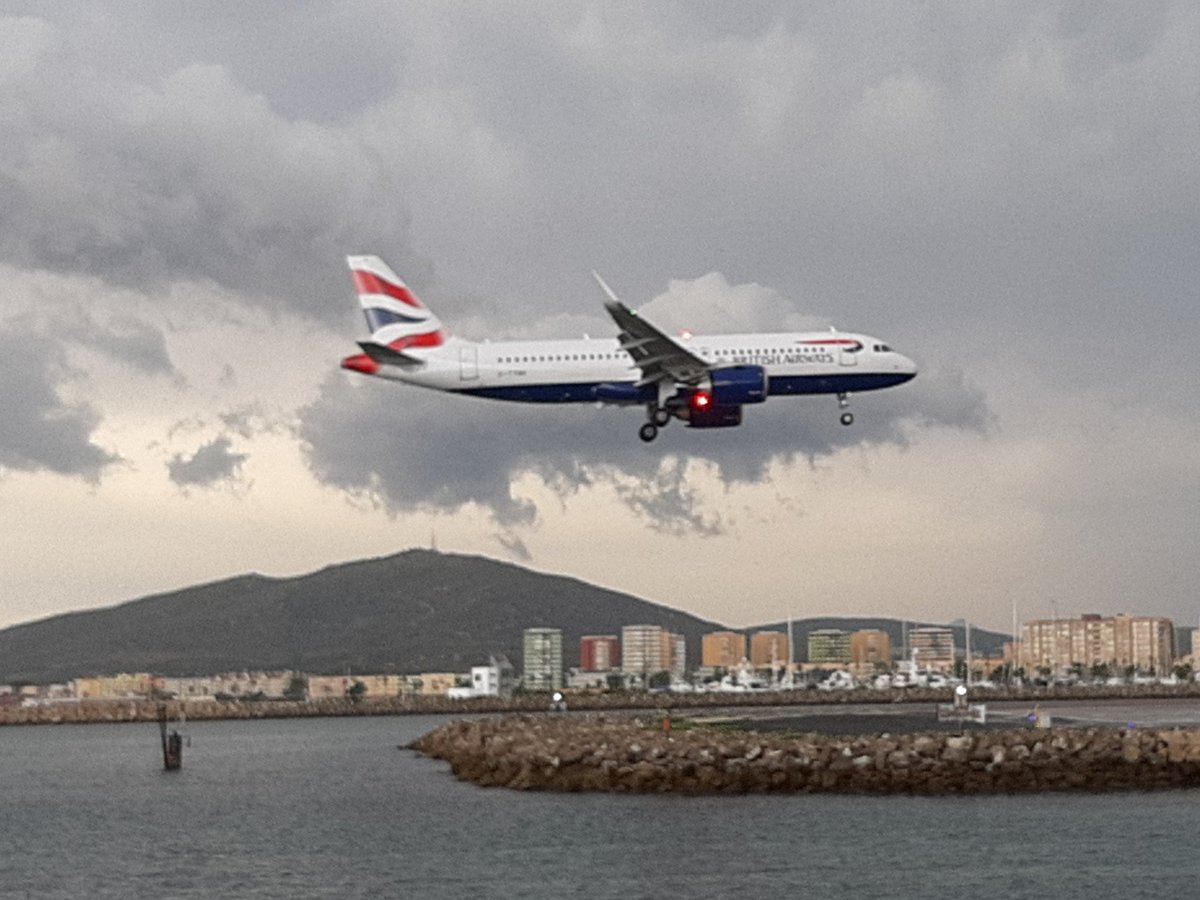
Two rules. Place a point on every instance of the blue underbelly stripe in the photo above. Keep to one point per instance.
(778, 386)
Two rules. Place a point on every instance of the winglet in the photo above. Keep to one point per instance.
(613, 299)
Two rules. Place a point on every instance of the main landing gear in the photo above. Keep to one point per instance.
(656, 418)
(847, 418)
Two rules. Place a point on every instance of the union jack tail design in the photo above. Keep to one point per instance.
(396, 316)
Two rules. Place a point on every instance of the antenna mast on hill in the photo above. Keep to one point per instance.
(433, 539)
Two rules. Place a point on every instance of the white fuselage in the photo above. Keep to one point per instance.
(565, 371)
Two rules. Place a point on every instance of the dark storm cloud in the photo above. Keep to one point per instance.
(188, 177)
(1001, 169)
(410, 449)
(38, 430)
(211, 464)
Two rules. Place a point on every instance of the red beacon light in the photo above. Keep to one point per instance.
(701, 400)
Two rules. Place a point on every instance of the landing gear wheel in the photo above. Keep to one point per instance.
(847, 418)
(660, 417)
(648, 432)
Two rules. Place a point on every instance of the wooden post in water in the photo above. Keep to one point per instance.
(172, 744)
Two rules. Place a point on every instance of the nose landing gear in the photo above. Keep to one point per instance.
(847, 418)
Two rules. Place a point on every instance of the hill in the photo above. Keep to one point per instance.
(414, 611)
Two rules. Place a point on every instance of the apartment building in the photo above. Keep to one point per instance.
(829, 647)
(770, 649)
(599, 652)
(647, 650)
(1145, 642)
(870, 649)
(722, 649)
(543, 656)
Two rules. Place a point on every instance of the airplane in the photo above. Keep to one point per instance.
(702, 381)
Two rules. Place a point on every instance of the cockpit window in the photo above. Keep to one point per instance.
(882, 348)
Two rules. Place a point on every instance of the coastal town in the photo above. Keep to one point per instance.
(1086, 651)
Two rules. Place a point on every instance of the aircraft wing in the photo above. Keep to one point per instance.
(659, 356)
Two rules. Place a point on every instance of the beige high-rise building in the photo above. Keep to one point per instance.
(769, 648)
(1145, 642)
(647, 650)
(870, 648)
(642, 650)
(724, 649)
(933, 646)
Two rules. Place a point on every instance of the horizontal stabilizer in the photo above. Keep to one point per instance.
(386, 356)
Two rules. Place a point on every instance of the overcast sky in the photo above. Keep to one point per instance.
(1008, 193)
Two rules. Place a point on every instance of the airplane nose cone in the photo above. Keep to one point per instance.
(906, 367)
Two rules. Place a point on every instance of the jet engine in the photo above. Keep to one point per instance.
(709, 415)
(735, 385)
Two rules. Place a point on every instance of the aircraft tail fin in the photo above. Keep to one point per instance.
(396, 316)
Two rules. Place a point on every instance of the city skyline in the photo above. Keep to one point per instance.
(1007, 193)
(1085, 646)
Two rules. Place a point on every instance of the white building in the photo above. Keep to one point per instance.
(543, 659)
(493, 680)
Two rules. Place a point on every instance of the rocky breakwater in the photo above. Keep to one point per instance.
(579, 753)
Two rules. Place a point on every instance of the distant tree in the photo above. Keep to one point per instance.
(356, 691)
(297, 688)
(615, 682)
(1183, 671)
(1101, 670)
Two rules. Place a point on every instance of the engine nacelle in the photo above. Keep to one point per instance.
(623, 392)
(735, 385)
(714, 416)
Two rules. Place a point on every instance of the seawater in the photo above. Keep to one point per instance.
(333, 808)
